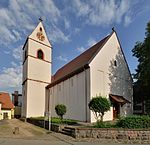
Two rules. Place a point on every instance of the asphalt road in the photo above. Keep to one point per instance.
(8, 141)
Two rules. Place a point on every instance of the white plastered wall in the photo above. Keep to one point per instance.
(72, 93)
(109, 79)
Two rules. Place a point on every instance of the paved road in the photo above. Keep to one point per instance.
(48, 142)
(32, 135)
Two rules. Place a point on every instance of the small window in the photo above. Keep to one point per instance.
(41, 29)
(115, 63)
(72, 82)
(40, 54)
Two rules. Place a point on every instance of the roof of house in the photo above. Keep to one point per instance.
(6, 101)
(79, 63)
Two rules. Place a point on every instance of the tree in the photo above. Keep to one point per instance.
(60, 110)
(99, 105)
(141, 51)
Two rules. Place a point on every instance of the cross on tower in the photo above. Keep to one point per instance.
(40, 19)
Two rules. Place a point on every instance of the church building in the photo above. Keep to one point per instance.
(100, 70)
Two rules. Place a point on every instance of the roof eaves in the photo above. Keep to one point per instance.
(79, 70)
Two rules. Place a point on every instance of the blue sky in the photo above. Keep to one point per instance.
(72, 26)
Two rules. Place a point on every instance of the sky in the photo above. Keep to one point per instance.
(72, 26)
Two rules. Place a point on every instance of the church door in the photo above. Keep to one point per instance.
(116, 110)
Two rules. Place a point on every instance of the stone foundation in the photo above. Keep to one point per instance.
(118, 134)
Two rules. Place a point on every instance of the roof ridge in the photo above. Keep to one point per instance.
(82, 53)
(79, 63)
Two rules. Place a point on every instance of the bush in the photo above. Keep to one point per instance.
(60, 110)
(134, 122)
(99, 105)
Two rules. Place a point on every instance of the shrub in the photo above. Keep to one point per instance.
(60, 110)
(99, 105)
(134, 122)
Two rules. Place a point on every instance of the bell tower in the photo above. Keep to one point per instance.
(36, 72)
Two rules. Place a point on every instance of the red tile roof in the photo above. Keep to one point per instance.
(78, 64)
(6, 101)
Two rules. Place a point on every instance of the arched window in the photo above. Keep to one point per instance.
(40, 54)
(115, 62)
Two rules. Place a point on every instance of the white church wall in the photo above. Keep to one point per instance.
(109, 79)
(71, 93)
(36, 99)
(39, 70)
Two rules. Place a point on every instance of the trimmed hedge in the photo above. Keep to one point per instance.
(134, 122)
(54, 120)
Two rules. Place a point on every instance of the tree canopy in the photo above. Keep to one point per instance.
(60, 110)
(141, 51)
(99, 105)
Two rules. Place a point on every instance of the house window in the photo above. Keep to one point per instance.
(40, 54)
(115, 62)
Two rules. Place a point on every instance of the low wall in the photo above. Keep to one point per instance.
(125, 134)
(45, 124)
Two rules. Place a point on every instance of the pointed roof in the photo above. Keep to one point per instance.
(78, 64)
(39, 35)
(6, 101)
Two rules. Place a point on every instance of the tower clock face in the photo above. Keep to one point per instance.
(40, 35)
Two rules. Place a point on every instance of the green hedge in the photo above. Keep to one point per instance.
(56, 120)
(134, 122)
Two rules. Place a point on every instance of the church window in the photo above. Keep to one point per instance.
(72, 82)
(40, 54)
(115, 62)
(40, 28)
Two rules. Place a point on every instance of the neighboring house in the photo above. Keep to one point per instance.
(6, 106)
(100, 70)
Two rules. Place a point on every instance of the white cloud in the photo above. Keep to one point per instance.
(127, 20)
(6, 52)
(56, 35)
(11, 77)
(90, 43)
(100, 12)
(81, 49)
(62, 58)
(17, 53)
(18, 19)
(67, 24)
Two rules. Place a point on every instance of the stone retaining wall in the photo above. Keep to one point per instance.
(125, 134)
